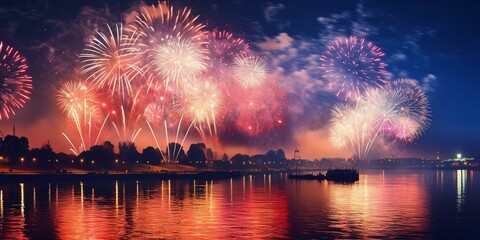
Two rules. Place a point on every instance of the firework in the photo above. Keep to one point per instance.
(158, 23)
(399, 110)
(223, 47)
(76, 96)
(262, 111)
(352, 65)
(15, 82)
(179, 61)
(249, 71)
(202, 103)
(111, 61)
(406, 129)
(412, 104)
(80, 103)
(352, 127)
(382, 107)
(155, 113)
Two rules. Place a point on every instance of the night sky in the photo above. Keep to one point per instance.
(433, 42)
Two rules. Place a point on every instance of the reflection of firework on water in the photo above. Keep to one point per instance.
(111, 61)
(80, 103)
(262, 111)
(249, 71)
(352, 65)
(202, 104)
(15, 83)
(179, 61)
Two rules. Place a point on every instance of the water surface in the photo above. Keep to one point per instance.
(383, 204)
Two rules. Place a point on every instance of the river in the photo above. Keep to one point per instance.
(383, 204)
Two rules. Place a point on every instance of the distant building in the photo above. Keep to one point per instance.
(460, 161)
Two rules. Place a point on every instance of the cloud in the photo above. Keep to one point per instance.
(399, 57)
(272, 10)
(280, 42)
(429, 82)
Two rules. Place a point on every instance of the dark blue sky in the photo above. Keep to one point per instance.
(433, 42)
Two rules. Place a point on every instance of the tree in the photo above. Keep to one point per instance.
(14, 148)
(175, 152)
(43, 155)
(151, 155)
(240, 160)
(225, 157)
(101, 155)
(127, 151)
(210, 154)
(196, 154)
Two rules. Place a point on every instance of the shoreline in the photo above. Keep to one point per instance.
(204, 175)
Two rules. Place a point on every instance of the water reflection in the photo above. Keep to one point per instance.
(381, 205)
(461, 176)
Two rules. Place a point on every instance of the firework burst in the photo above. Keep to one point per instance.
(398, 110)
(111, 61)
(15, 83)
(413, 104)
(352, 127)
(352, 65)
(249, 71)
(223, 47)
(180, 61)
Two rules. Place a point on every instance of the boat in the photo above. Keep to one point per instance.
(319, 176)
(342, 175)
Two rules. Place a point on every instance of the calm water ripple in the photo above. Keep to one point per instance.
(383, 204)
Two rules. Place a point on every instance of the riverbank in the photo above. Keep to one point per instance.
(33, 177)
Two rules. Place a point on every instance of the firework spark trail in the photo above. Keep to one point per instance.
(112, 61)
(159, 23)
(15, 83)
(352, 65)
(73, 148)
(201, 103)
(155, 138)
(79, 102)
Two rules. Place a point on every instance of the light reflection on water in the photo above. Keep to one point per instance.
(402, 204)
